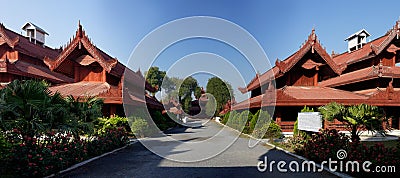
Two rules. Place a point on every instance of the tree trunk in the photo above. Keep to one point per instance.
(354, 136)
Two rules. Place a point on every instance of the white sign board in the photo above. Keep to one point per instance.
(309, 121)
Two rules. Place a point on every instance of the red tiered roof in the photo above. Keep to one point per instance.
(370, 49)
(82, 89)
(23, 45)
(362, 75)
(282, 67)
(300, 96)
(81, 39)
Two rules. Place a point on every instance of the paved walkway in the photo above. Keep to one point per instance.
(237, 161)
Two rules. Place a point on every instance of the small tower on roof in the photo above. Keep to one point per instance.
(357, 40)
(35, 34)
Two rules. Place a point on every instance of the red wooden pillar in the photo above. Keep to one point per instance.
(316, 76)
(278, 118)
(326, 124)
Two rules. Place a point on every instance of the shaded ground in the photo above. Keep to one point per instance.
(237, 161)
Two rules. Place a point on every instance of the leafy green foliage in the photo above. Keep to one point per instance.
(197, 92)
(247, 122)
(222, 91)
(139, 127)
(155, 77)
(273, 131)
(83, 112)
(356, 117)
(170, 86)
(106, 123)
(211, 105)
(187, 87)
(30, 107)
(247, 129)
(268, 131)
(265, 121)
(40, 131)
(324, 145)
(32, 157)
(239, 121)
(227, 115)
(163, 122)
(253, 121)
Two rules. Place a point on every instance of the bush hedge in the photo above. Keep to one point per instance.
(325, 145)
(246, 122)
(49, 153)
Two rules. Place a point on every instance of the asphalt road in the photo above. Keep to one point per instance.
(237, 161)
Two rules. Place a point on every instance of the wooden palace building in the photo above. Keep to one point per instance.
(366, 73)
(79, 68)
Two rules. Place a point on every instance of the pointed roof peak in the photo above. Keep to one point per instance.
(80, 32)
(312, 36)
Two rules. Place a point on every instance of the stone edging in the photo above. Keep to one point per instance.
(77, 165)
(287, 152)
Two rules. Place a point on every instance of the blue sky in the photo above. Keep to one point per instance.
(279, 26)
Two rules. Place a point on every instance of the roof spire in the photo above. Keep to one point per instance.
(313, 36)
(79, 32)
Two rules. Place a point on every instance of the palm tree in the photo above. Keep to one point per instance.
(30, 106)
(83, 111)
(356, 117)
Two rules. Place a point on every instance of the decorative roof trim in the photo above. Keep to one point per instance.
(392, 33)
(10, 42)
(311, 44)
(81, 39)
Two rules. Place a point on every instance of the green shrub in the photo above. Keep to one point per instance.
(274, 131)
(239, 121)
(324, 145)
(271, 131)
(296, 143)
(234, 120)
(247, 128)
(105, 123)
(5, 148)
(227, 115)
(139, 127)
(264, 118)
(162, 122)
(253, 121)
(55, 151)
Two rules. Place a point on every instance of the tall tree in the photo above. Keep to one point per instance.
(356, 117)
(186, 90)
(197, 92)
(170, 85)
(181, 89)
(220, 90)
(155, 77)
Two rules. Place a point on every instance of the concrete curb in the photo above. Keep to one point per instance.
(287, 152)
(131, 142)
